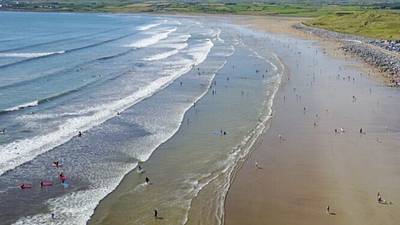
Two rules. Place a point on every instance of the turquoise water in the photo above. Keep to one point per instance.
(126, 82)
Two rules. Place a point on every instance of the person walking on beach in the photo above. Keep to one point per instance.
(147, 180)
(258, 166)
(380, 199)
(156, 214)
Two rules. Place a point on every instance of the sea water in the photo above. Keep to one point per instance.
(185, 97)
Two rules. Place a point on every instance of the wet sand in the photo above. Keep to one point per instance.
(311, 167)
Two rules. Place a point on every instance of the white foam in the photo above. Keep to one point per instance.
(163, 55)
(149, 26)
(176, 46)
(21, 151)
(200, 53)
(275, 68)
(22, 106)
(242, 150)
(155, 38)
(29, 54)
(218, 37)
(77, 207)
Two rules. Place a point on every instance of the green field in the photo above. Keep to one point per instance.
(372, 20)
(371, 23)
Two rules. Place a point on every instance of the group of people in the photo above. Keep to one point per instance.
(47, 183)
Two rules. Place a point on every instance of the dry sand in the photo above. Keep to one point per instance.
(314, 167)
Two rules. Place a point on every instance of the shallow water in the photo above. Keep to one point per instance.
(126, 82)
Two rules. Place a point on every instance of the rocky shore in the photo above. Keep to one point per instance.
(379, 56)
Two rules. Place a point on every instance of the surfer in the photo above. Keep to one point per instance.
(62, 177)
(45, 184)
(79, 134)
(56, 164)
(25, 186)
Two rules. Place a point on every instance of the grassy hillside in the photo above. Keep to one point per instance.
(372, 23)
(372, 20)
(309, 10)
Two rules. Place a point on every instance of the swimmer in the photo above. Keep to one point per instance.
(79, 134)
(3, 131)
(45, 184)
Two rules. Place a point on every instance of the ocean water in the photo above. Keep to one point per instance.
(142, 89)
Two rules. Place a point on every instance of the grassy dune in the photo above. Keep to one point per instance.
(372, 23)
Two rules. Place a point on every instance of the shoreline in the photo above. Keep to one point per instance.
(198, 137)
(277, 194)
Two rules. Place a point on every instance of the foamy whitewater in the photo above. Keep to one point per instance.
(127, 84)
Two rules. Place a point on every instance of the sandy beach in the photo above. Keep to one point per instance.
(191, 119)
(303, 165)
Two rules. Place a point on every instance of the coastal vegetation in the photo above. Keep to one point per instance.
(371, 23)
(376, 20)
